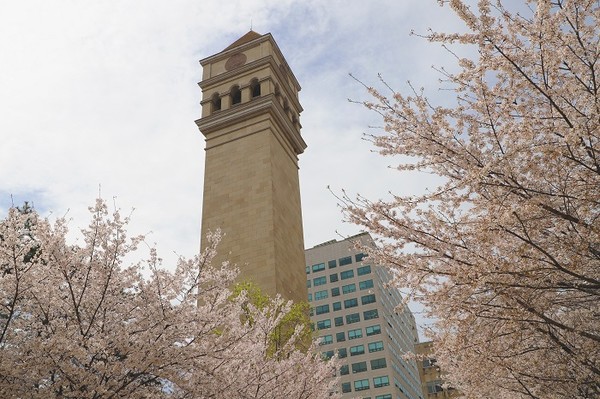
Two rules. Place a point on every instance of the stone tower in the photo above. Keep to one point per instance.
(250, 113)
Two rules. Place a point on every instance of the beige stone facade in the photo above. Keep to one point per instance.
(250, 119)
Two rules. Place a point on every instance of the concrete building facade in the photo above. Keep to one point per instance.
(250, 119)
(355, 314)
(433, 384)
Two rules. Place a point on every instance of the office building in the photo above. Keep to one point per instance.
(356, 315)
(250, 119)
(431, 375)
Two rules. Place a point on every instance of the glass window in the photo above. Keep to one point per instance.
(378, 364)
(376, 346)
(339, 321)
(350, 303)
(346, 387)
(367, 299)
(346, 289)
(347, 274)
(322, 309)
(381, 381)
(323, 324)
(365, 285)
(309, 297)
(333, 278)
(357, 350)
(337, 306)
(361, 271)
(335, 291)
(318, 267)
(386, 396)
(326, 339)
(307, 283)
(321, 295)
(332, 264)
(359, 257)
(319, 281)
(359, 367)
(327, 355)
(373, 330)
(342, 353)
(345, 260)
(340, 337)
(370, 314)
(352, 318)
(344, 370)
(353, 334)
(307, 269)
(361, 385)
(434, 386)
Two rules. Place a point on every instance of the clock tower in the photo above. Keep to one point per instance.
(250, 119)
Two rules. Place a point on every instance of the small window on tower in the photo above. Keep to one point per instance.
(236, 95)
(255, 88)
(215, 102)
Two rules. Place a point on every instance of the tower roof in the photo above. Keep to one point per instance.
(248, 37)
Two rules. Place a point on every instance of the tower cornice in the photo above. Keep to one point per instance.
(242, 112)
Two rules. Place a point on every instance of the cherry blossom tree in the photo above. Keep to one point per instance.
(505, 251)
(77, 322)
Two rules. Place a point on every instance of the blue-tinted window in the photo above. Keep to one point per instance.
(361, 271)
(370, 314)
(365, 285)
(346, 387)
(332, 264)
(344, 370)
(350, 303)
(335, 291)
(319, 281)
(321, 309)
(352, 318)
(318, 267)
(359, 367)
(386, 396)
(361, 385)
(333, 278)
(357, 350)
(373, 330)
(323, 324)
(345, 261)
(346, 289)
(307, 269)
(326, 339)
(321, 295)
(378, 364)
(353, 334)
(339, 321)
(347, 274)
(309, 297)
(376, 346)
(342, 353)
(337, 306)
(381, 381)
(359, 257)
(327, 355)
(307, 283)
(366, 299)
(340, 337)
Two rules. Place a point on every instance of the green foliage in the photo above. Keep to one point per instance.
(296, 317)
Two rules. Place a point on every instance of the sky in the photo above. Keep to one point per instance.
(100, 97)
